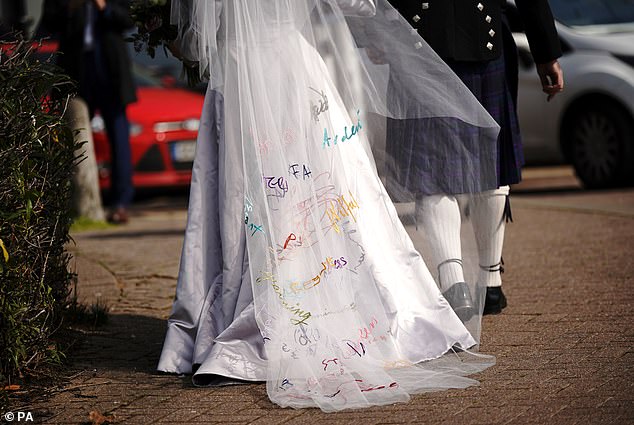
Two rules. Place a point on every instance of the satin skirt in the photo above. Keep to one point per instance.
(212, 332)
(306, 280)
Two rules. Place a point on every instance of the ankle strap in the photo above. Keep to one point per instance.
(499, 267)
(451, 260)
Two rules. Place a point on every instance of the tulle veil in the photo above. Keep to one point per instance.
(348, 313)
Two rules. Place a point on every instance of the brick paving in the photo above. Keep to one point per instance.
(564, 346)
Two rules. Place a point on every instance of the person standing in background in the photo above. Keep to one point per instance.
(473, 38)
(94, 54)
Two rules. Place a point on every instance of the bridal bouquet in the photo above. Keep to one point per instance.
(152, 19)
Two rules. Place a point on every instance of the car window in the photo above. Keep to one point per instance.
(144, 77)
(163, 66)
(593, 12)
(162, 63)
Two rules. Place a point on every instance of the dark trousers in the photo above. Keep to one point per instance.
(97, 90)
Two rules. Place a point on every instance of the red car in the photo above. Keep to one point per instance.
(163, 128)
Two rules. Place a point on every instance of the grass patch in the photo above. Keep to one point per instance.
(84, 224)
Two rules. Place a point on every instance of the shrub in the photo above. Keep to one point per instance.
(36, 162)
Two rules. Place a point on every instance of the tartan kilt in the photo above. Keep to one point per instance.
(416, 167)
(490, 83)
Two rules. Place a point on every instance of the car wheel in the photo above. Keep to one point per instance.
(599, 136)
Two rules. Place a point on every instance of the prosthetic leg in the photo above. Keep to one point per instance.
(441, 219)
(440, 216)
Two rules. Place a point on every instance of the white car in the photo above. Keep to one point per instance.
(590, 124)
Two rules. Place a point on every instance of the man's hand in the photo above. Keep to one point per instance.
(101, 4)
(552, 78)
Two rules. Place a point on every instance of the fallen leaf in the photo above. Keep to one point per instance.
(12, 387)
(98, 419)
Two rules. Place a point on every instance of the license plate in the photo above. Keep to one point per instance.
(184, 151)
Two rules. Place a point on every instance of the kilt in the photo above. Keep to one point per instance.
(418, 166)
(489, 82)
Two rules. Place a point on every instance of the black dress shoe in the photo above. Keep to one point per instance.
(459, 299)
(495, 300)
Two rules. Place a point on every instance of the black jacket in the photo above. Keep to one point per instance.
(471, 30)
(67, 19)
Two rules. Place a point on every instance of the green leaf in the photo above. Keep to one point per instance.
(29, 209)
(4, 251)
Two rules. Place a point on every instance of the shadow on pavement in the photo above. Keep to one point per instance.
(549, 191)
(127, 342)
(136, 234)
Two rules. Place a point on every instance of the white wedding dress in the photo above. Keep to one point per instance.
(296, 269)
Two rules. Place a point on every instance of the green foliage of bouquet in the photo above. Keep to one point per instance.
(152, 19)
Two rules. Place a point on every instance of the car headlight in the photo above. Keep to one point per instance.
(626, 58)
(97, 124)
(191, 124)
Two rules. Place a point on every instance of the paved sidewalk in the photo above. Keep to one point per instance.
(564, 346)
